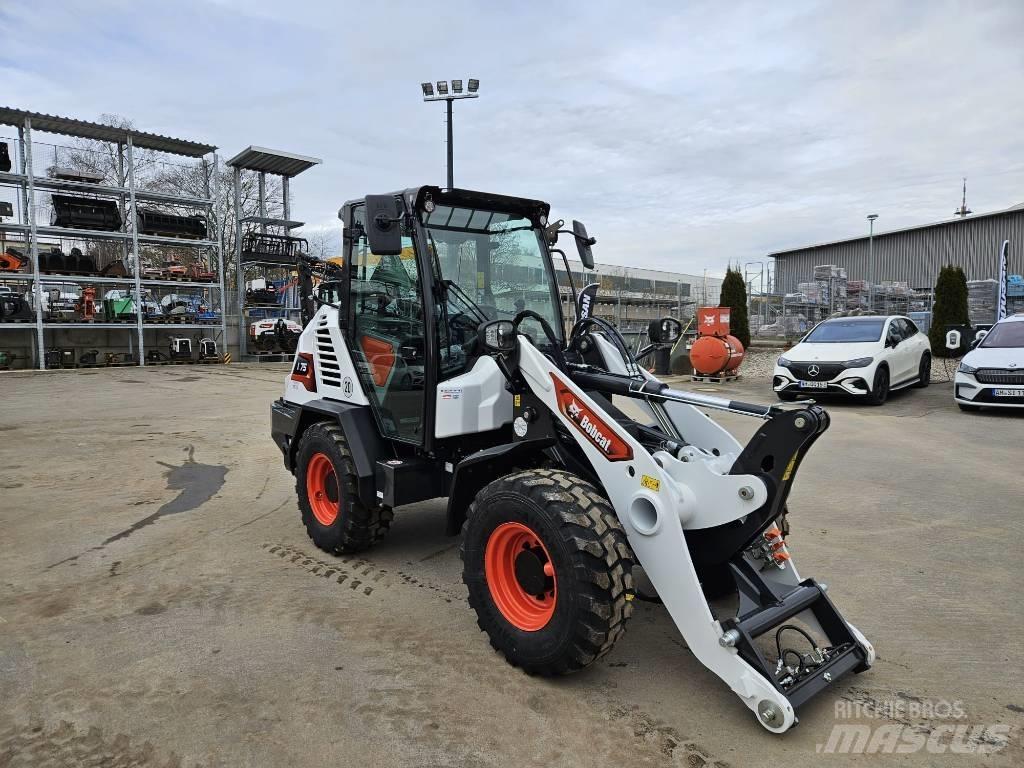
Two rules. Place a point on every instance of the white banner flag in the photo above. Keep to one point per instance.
(1001, 303)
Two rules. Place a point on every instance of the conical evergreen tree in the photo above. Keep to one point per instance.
(950, 307)
(734, 296)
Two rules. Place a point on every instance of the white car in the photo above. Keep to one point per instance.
(867, 356)
(992, 374)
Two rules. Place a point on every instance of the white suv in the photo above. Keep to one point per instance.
(992, 374)
(867, 356)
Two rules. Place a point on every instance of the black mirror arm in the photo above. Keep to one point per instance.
(568, 273)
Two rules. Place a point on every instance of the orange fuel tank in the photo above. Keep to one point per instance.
(711, 355)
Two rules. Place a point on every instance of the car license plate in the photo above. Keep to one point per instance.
(1008, 392)
(813, 385)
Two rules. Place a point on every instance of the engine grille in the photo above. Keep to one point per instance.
(826, 371)
(999, 376)
(327, 358)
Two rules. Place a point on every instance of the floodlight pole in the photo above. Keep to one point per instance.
(449, 97)
(451, 151)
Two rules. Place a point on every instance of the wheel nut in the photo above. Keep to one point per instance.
(799, 422)
(746, 493)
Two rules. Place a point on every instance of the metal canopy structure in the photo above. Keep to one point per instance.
(287, 165)
(69, 126)
(271, 161)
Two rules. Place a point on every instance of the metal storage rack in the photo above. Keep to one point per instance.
(24, 179)
(287, 166)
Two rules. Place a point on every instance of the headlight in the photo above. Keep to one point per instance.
(965, 368)
(784, 362)
(860, 362)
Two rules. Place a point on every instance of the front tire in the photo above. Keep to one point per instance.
(880, 389)
(924, 371)
(327, 487)
(548, 569)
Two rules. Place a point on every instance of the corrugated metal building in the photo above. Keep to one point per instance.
(914, 254)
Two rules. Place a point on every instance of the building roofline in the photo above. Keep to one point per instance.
(1019, 208)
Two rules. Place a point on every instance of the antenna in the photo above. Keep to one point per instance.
(963, 210)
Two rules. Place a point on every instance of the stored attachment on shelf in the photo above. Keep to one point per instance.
(88, 357)
(273, 249)
(12, 260)
(85, 307)
(115, 269)
(170, 225)
(258, 292)
(7, 360)
(14, 308)
(85, 213)
(5, 158)
(6, 209)
(76, 174)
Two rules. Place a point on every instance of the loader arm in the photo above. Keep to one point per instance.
(676, 499)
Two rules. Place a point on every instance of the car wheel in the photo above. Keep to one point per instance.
(880, 389)
(924, 371)
(968, 408)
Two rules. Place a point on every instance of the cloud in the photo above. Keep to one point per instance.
(687, 136)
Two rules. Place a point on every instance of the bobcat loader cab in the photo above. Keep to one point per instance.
(445, 371)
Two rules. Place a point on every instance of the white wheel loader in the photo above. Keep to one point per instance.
(445, 371)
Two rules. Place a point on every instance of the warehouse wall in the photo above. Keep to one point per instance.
(915, 256)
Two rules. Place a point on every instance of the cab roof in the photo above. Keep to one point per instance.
(414, 198)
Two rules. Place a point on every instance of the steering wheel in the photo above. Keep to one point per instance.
(556, 349)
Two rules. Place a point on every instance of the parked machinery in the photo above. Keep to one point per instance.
(180, 348)
(557, 487)
(208, 351)
(260, 293)
(273, 334)
(715, 352)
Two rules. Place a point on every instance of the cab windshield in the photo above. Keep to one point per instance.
(493, 266)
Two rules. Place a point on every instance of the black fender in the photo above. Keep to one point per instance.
(290, 420)
(478, 469)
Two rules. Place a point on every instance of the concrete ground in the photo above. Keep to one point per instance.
(162, 606)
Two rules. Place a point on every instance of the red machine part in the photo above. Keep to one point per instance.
(711, 355)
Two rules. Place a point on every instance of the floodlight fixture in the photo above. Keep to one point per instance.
(428, 89)
(442, 87)
(474, 85)
(456, 86)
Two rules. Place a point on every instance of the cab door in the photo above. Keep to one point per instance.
(386, 330)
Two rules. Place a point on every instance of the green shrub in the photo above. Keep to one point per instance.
(950, 307)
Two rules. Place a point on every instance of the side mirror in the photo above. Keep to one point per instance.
(953, 340)
(667, 330)
(583, 243)
(383, 225)
(498, 336)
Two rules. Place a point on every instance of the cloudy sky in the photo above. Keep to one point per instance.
(687, 135)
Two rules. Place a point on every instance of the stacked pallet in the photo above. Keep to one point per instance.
(982, 296)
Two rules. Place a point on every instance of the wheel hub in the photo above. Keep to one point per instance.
(520, 576)
(531, 574)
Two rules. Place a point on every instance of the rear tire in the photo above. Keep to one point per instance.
(880, 389)
(924, 371)
(548, 569)
(327, 487)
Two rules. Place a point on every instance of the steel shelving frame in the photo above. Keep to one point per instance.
(128, 195)
(263, 161)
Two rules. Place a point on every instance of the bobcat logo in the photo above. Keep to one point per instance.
(574, 410)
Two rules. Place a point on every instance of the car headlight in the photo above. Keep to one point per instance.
(860, 362)
(783, 362)
(965, 368)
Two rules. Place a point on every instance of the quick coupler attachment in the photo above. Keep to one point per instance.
(812, 644)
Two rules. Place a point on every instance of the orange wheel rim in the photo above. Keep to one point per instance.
(520, 576)
(322, 489)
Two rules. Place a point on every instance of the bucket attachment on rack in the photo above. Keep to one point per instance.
(85, 213)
